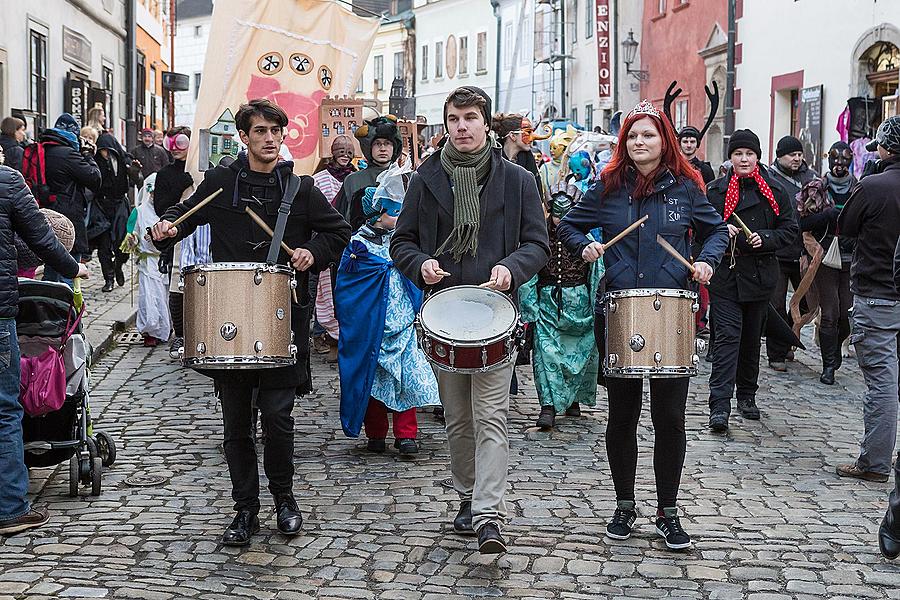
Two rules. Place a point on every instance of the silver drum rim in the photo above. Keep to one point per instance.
(650, 293)
(237, 266)
(472, 343)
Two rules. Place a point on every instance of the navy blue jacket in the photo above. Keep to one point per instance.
(675, 207)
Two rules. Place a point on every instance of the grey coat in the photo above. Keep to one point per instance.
(513, 231)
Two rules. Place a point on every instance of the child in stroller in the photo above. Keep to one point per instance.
(46, 312)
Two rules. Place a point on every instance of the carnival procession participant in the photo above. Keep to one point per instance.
(649, 176)
(792, 173)
(560, 303)
(471, 217)
(549, 171)
(382, 368)
(689, 142)
(515, 135)
(744, 280)
(257, 177)
(381, 144)
(329, 181)
(871, 217)
(150, 156)
(819, 204)
(174, 184)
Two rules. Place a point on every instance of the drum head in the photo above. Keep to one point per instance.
(468, 314)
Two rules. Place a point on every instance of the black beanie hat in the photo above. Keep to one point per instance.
(788, 144)
(689, 131)
(486, 110)
(744, 138)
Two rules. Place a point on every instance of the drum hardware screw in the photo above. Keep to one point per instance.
(293, 283)
(201, 279)
(201, 348)
(228, 331)
(257, 278)
(636, 342)
(258, 346)
(440, 350)
(293, 350)
(657, 358)
(695, 307)
(695, 360)
(657, 304)
(181, 283)
(612, 359)
(279, 314)
(612, 306)
(484, 357)
(452, 357)
(678, 331)
(701, 346)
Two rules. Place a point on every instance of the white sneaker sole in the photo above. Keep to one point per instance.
(672, 546)
(23, 527)
(614, 536)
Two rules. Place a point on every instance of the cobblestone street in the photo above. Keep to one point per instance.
(769, 517)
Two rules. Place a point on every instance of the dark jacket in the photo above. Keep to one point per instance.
(19, 214)
(13, 152)
(792, 184)
(234, 237)
(513, 232)
(872, 216)
(69, 174)
(706, 170)
(525, 159)
(675, 207)
(756, 271)
(171, 183)
(152, 159)
(897, 266)
(117, 172)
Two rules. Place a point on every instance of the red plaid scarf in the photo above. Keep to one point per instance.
(733, 194)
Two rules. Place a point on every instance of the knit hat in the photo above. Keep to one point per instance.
(61, 226)
(689, 131)
(485, 110)
(67, 122)
(888, 135)
(787, 145)
(744, 138)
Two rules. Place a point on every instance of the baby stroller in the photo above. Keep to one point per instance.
(46, 310)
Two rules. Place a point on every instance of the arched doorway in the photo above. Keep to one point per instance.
(876, 60)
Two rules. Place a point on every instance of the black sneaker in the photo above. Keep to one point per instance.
(490, 541)
(175, 346)
(547, 418)
(406, 446)
(574, 410)
(376, 445)
(670, 528)
(718, 422)
(748, 409)
(622, 522)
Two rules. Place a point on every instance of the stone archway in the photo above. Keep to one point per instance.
(884, 32)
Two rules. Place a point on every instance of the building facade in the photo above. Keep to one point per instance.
(62, 57)
(153, 57)
(831, 56)
(392, 58)
(193, 21)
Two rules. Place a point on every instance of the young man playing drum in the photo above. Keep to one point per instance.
(472, 218)
(258, 180)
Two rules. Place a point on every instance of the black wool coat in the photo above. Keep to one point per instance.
(313, 224)
(755, 271)
(513, 232)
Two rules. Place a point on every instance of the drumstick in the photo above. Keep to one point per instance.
(742, 225)
(266, 228)
(200, 205)
(675, 253)
(625, 232)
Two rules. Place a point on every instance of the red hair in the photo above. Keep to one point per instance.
(613, 175)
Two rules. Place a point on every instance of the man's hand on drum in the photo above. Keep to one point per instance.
(302, 259)
(592, 252)
(501, 279)
(163, 230)
(703, 272)
(432, 273)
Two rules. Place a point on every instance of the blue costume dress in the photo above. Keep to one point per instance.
(378, 355)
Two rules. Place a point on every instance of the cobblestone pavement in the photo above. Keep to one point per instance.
(769, 517)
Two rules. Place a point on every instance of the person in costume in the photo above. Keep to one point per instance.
(259, 181)
(689, 140)
(329, 181)
(559, 300)
(381, 144)
(382, 368)
(550, 170)
(516, 133)
(647, 176)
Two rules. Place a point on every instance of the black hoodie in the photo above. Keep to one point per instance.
(116, 170)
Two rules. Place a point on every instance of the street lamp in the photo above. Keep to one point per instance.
(629, 49)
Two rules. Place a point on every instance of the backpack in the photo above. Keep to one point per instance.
(35, 173)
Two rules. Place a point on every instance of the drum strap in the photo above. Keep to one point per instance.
(284, 210)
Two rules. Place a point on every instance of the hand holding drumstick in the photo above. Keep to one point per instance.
(593, 251)
(166, 229)
(702, 272)
(432, 272)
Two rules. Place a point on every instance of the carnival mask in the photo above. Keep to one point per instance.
(840, 157)
(561, 140)
(560, 205)
(580, 164)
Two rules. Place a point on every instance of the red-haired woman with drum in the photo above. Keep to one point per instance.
(649, 177)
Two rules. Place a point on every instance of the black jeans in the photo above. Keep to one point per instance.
(667, 404)
(789, 272)
(738, 327)
(275, 406)
(835, 299)
(111, 258)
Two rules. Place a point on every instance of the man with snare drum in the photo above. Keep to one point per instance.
(257, 180)
(472, 218)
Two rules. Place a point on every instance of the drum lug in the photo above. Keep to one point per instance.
(695, 359)
(258, 346)
(484, 356)
(657, 358)
(201, 348)
(293, 350)
(201, 279)
(611, 306)
(279, 314)
(657, 303)
(293, 282)
(452, 357)
(612, 359)
(637, 342)
(695, 307)
(257, 278)
(700, 345)
(181, 282)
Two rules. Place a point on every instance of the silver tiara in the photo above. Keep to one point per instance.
(644, 107)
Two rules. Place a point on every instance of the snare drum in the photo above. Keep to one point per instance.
(650, 333)
(237, 316)
(469, 329)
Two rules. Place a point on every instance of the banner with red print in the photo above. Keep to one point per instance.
(293, 52)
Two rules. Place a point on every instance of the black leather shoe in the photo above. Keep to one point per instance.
(288, 515)
(120, 276)
(827, 376)
(462, 524)
(240, 531)
(748, 409)
(574, 410)
(718, 422)
(406, 446)
(490, 541)
(889, 538)
(376, 445)
(547, 418)
(108, 286)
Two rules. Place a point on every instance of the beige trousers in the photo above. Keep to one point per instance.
(476, 408)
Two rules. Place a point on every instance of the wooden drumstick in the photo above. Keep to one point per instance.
(625, 232)
(267, 229)
(675, 253)
(742, 225)
(179, 220)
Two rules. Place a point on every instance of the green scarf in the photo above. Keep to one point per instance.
(468, 171)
